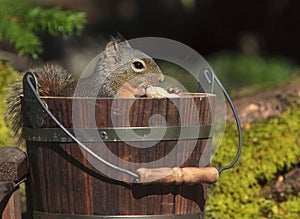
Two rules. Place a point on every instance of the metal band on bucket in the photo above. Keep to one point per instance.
(42, 215)
(111, 134)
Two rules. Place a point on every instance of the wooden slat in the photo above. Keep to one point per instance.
(13, 207)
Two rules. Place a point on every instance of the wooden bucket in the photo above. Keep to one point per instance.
(64, 182)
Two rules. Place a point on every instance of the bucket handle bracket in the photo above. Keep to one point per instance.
(33, 109)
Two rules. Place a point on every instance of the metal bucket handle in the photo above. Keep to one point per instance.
(206, 80)
(188, 175)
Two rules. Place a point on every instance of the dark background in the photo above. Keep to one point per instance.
(248, 43)
(268, 26)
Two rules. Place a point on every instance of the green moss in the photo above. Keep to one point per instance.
(7, 75)
(270, 147)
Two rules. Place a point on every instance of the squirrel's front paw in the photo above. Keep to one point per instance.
(173, 90)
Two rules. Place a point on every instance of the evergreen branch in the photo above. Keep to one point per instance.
(25, 41)
(62, 22)
(21, 22)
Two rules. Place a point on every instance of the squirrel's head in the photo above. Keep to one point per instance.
(131, 70)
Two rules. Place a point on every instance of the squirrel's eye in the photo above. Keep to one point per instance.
(138, 65)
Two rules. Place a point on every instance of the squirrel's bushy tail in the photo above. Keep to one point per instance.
(51, 79)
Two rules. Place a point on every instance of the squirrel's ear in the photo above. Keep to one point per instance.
(125, 43)
(118, 41)
(121, 39)
(112, 46)
(116, 44)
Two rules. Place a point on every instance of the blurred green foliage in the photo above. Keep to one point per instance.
(240, 74)
(245, 74)
(8, 75)
(270, 148)
(21, 23)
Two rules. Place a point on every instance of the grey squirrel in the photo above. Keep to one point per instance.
(121, 71)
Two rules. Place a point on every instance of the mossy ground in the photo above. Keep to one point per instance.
(270, 148)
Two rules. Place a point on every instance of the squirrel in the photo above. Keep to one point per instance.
(121, 71)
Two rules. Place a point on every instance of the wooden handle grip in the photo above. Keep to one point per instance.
(177, 175)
